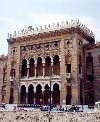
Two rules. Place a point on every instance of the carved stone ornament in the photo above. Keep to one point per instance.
(47, 53)
(68, 58)
(68, 43)
(47, 46)
(56, 45)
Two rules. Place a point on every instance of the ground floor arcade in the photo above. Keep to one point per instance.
(43, 94)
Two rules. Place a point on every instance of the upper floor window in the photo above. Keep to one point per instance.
(89, 59)
(89, 67)
(68, 68)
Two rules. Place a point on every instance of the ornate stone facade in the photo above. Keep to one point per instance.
(49, 59)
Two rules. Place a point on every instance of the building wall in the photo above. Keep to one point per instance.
(95, 85)
(3, 79)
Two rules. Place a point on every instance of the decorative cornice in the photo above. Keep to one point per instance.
(51, 29)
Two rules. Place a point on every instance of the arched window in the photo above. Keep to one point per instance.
(30, 94)
(89, 67)
(69, 95)
(56, 94)
(24, 67)
(47, 66)
(46, 95)
(11, 100)
(39, 96)
(31, 68)
(56, 65)
(23, 95)
(39, 67)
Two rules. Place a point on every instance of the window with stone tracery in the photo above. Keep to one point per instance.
(24, 68)
(89, 67)
(47, 66)
(56, 65)
(31, 67)
(39, 69)
(68, 68)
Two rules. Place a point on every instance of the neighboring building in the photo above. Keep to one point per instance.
(51, 59)
(3, 78)
(92, 73)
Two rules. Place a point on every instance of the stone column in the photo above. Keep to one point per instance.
(34, 94)
(26, 95)
(51, 73)
(27, 70)
(43, 68)
(35, 69)
(51, 92)
(43, 95)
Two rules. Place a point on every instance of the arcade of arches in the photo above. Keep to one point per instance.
(41, 96)
(37, 94)
(41, 67)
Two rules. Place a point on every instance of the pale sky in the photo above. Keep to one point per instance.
(17, 14)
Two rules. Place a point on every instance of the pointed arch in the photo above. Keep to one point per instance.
(46, 94)
(23, 94)
(56, 65)
(31, 67)
(24, 67)
(39, 67)
(47, 66)
(30, 94)
(56, 94)
(39, 96)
